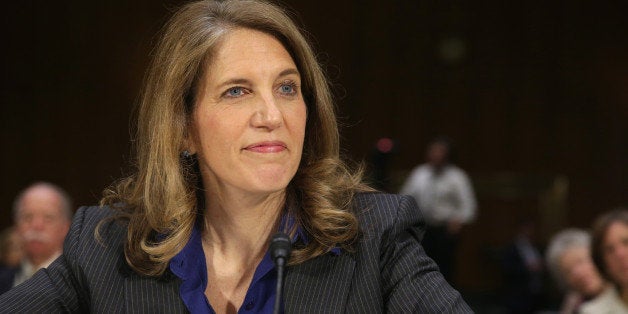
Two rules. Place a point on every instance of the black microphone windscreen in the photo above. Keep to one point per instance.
(280, 246)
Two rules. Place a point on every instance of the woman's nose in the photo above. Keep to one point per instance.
(267, 114)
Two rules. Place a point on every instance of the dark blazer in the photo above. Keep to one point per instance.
(387, 272)
(7, 276)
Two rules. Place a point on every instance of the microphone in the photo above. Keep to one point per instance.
(280, 249)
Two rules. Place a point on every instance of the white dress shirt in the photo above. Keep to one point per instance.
(27, 270)
(442, 196)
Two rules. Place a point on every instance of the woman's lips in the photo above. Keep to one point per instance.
(267, 147)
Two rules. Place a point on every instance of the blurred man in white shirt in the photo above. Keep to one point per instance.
(445, 196)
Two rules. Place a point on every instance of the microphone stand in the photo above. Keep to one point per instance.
(280, 249)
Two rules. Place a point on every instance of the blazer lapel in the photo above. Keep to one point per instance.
(320, 285)
(152, 295)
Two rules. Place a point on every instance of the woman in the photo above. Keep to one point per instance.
(237, 139)
(610, 254)
(569, 261)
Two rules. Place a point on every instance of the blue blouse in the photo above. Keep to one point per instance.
(190, 266)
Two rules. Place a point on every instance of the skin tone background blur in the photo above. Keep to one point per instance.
(534, 95)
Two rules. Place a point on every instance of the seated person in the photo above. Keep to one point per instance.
(610, 254)
(42, 215)
(569, 261)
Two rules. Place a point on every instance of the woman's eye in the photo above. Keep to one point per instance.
(234, 92)
(288, 89)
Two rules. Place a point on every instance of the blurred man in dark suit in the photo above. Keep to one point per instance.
(42, 215)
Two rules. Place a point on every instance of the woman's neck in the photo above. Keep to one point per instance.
(235, 240)
(241, 226)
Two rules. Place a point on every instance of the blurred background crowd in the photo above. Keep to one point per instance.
(527, 101)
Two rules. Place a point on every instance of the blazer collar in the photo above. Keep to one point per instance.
(319, 285)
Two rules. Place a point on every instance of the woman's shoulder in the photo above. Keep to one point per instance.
(93, 214)
(95, 224)
(89, 217)
(386, 210)
(379, 199)
(383, 203)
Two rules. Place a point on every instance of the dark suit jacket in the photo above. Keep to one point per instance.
(387, 272)
(7, 276)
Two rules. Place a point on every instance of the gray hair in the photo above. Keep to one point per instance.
(66, 201)
(560, 243)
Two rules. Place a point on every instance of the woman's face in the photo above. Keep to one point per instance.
(249, 121)
(615, 250)
(580, 272)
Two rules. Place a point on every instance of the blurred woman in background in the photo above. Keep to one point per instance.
(610, 254)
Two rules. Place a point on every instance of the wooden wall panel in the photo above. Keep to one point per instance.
(540, 90)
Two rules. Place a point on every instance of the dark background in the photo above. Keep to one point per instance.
(535, 95)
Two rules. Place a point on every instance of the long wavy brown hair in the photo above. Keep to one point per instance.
(161, 199)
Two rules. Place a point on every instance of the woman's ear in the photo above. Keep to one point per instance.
(189, 145)
(189, 138)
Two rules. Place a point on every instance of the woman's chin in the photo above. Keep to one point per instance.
(270, 186)
(272, 180)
